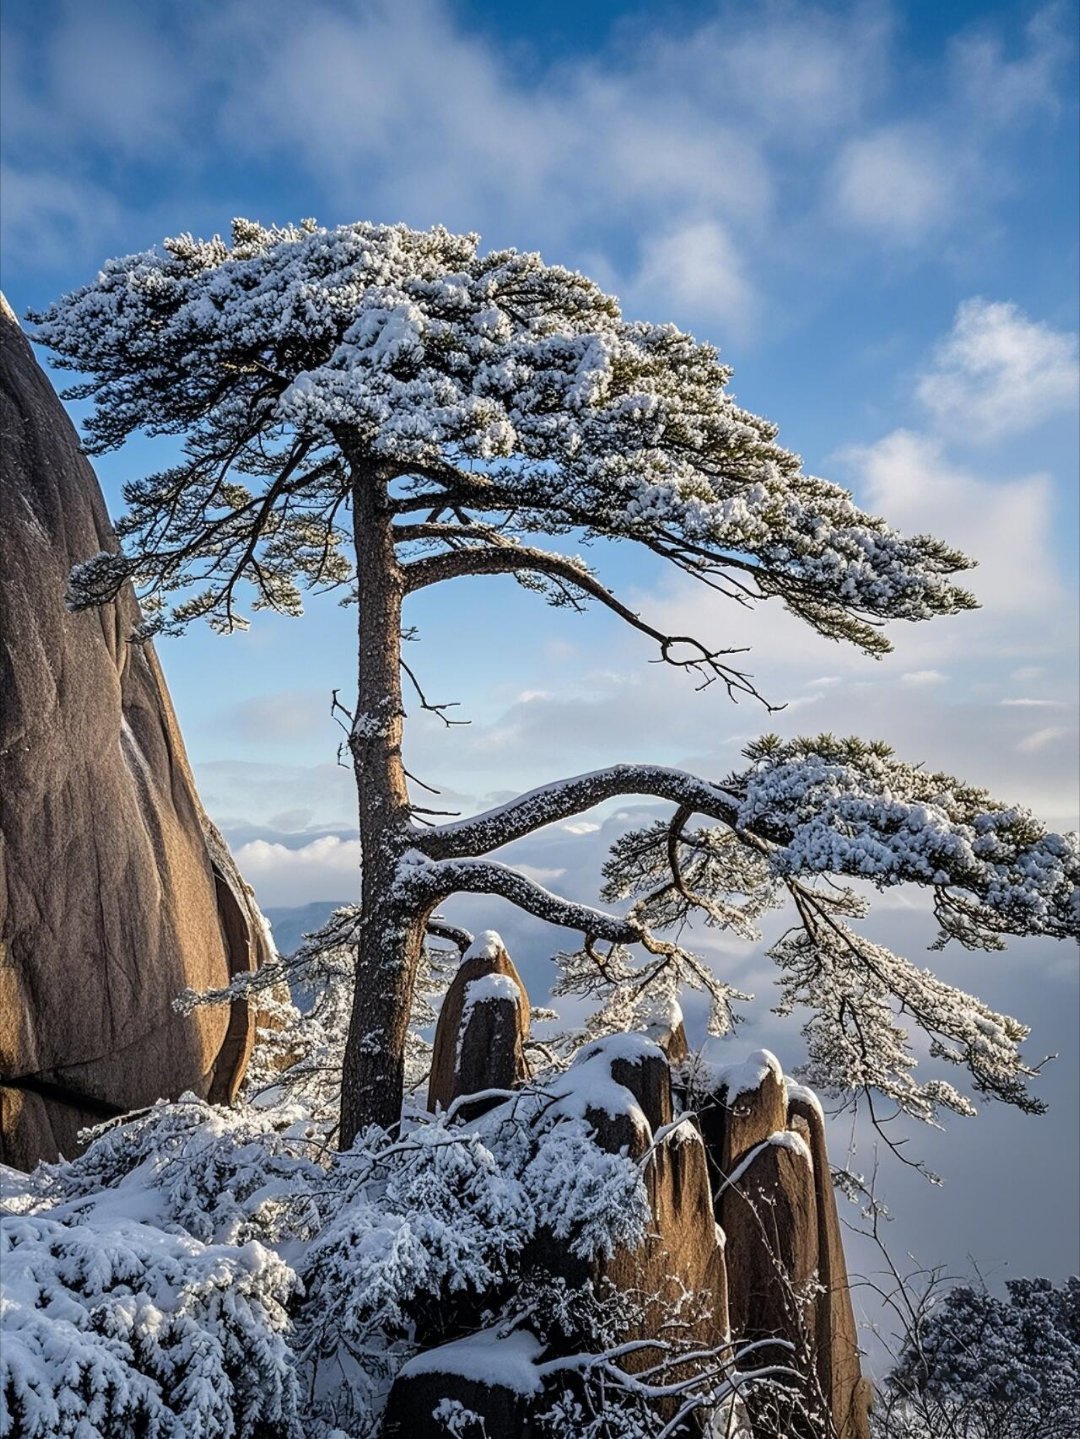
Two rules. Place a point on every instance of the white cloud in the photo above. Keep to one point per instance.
(1040, 738)
(1006, 526)
(1005, 90)
(322, 869)
(695, 270)
(539, 874)
(131, 90)
(923, 677)
(1034, 704)
(896, 183)
(52, 217)
(999, 373)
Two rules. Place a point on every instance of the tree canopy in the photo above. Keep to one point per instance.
(484, 383)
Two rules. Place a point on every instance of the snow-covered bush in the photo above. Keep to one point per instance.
(114, 1327)
(211, 1273)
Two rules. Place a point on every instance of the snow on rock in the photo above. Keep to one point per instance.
(488, 944)
(482, 1028)
(490, 1357)
(748, 1075)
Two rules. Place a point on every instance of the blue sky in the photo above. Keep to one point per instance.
(870, 208)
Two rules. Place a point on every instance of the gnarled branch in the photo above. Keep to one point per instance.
(569, 797)
(495, 558)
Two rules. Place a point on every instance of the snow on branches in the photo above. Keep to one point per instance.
(803, 815)
(137, 1297)
(488, 384)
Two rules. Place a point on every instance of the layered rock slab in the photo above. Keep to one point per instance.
(116, 892)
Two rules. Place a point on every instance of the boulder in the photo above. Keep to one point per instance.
(485, 1384)
(482, 1028)
(116, 892)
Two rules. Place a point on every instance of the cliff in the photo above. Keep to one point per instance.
(116, 892)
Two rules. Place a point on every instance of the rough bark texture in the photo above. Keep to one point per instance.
(373, 1068)
(116, 892)
(488, 1051)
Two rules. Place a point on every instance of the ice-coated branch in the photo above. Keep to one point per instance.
(679, 651)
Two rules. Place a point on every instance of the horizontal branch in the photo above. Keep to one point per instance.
(569, 797)
(481, 876)
(494, 558)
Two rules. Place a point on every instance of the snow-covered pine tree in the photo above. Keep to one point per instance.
(386, 409)
(982, 1367)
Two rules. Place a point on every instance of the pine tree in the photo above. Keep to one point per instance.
(385, 409)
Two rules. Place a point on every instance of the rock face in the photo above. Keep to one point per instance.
(482, 1029)
(744, 1244)
(786, 1272)
(116, 892)
(680, 1266)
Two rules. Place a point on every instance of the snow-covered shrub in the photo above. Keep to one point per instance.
(198, 1269)
(221, 1175)
(304, 1001)
(113, 1327)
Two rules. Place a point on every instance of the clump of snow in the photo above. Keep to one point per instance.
(742, 1077)
(790, 1139)
(489, 988)
(488, 944)
(490, 1357)
(805, 1095)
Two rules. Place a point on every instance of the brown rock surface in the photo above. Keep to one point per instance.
(680, 1266)
(775, 1202)
(115, 890)
(836, 1339)
(747, 1104)
(482, 1028)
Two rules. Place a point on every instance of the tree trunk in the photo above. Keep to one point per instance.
(390, 937)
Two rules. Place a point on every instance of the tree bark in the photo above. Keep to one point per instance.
(390, 936)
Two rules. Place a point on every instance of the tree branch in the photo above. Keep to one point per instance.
(509, 558)
(498, 827)
(481, 876)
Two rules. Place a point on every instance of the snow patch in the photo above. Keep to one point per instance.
(487, 945)
(490, 1357)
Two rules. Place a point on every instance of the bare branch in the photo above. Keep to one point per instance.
(679, 651)
(436, 709)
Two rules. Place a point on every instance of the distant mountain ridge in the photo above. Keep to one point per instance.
(289, 923)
